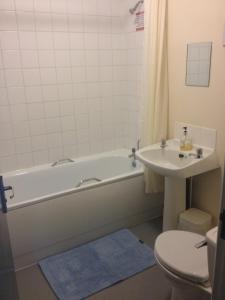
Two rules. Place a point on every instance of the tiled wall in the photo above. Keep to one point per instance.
(69, 79)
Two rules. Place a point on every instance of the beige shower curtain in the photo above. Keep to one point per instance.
(155, 106)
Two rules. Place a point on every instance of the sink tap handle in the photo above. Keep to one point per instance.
(163, 143)
(199, 152)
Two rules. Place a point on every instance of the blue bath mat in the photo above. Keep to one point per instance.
(87, 269)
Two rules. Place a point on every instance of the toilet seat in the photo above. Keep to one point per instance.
(176, 251)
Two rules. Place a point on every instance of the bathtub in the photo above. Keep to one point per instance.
(58, 207)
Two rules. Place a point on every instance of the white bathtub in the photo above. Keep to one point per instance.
(49, 214)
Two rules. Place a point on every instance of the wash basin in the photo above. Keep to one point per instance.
(170, 161)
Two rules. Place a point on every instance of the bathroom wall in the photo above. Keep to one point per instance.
(70, 74)
(199, 21)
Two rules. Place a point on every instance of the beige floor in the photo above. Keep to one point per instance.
(147, 285)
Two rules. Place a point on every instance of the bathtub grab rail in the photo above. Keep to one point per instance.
(62, 161)
(82, 181)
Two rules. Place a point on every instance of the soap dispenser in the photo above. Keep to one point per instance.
(185, 141)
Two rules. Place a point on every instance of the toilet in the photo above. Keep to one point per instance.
(187, 262)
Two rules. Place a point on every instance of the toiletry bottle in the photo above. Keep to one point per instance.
(188, 142)
(183, 139)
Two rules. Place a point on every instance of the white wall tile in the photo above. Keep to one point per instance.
(61, 40)
(42, 5)
(54, 140)
(34, 94)
(11, 59)
(77, 58)
(59, 6)
(68, 72)
(59, 22)
(65, 91)
(37, 127)
(39, 142)
(50, 92)
(7, 148)
(76, 23)
(29, 58)
(46, 58)
(67, 108)
(62, 58)
(43, 21)
(23, 145)
(19, 112)
(9, 40)
(78, 74)
(45, 40)
(40, 157)
(3, 96)
(14, 77)
(31, 77)
(90, 7)
(7, 5)
(8, 20)
(26, 21)
(52, 109)
(21, 129)
(16, 95)
(64, 75)
(48, 76)
(4, 114)
(69, 138)
(75, 9)
(27, 40)
(91, 40)
(53, 125)
(76, 40)
(6, 132)
(25, 5)
(35, 111)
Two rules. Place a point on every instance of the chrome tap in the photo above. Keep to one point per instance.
(163, 144)
(133, 155)
(198, 154)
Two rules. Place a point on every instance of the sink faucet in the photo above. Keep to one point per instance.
(133, 155)
(163, 144)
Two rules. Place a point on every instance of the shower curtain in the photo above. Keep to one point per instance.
(155, 106)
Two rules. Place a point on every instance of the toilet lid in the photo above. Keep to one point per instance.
(176, 251)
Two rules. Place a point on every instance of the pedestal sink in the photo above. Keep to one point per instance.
(176, 166)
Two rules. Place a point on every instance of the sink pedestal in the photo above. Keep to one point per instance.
(174, 201)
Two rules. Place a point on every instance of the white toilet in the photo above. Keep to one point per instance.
(186, 264)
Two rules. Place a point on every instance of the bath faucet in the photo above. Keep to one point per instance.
(62, 161)
(133, 155)
(163, 144)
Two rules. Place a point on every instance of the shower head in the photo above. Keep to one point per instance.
(133, 9)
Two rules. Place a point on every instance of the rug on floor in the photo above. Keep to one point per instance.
(87, 269)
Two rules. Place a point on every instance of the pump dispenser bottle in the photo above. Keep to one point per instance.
(185, 141)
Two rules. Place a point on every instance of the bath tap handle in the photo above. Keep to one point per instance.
(133, 154)
(62, 161)
(87, 180)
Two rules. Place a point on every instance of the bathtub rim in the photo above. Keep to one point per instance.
(75, 190)
(116, 153)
